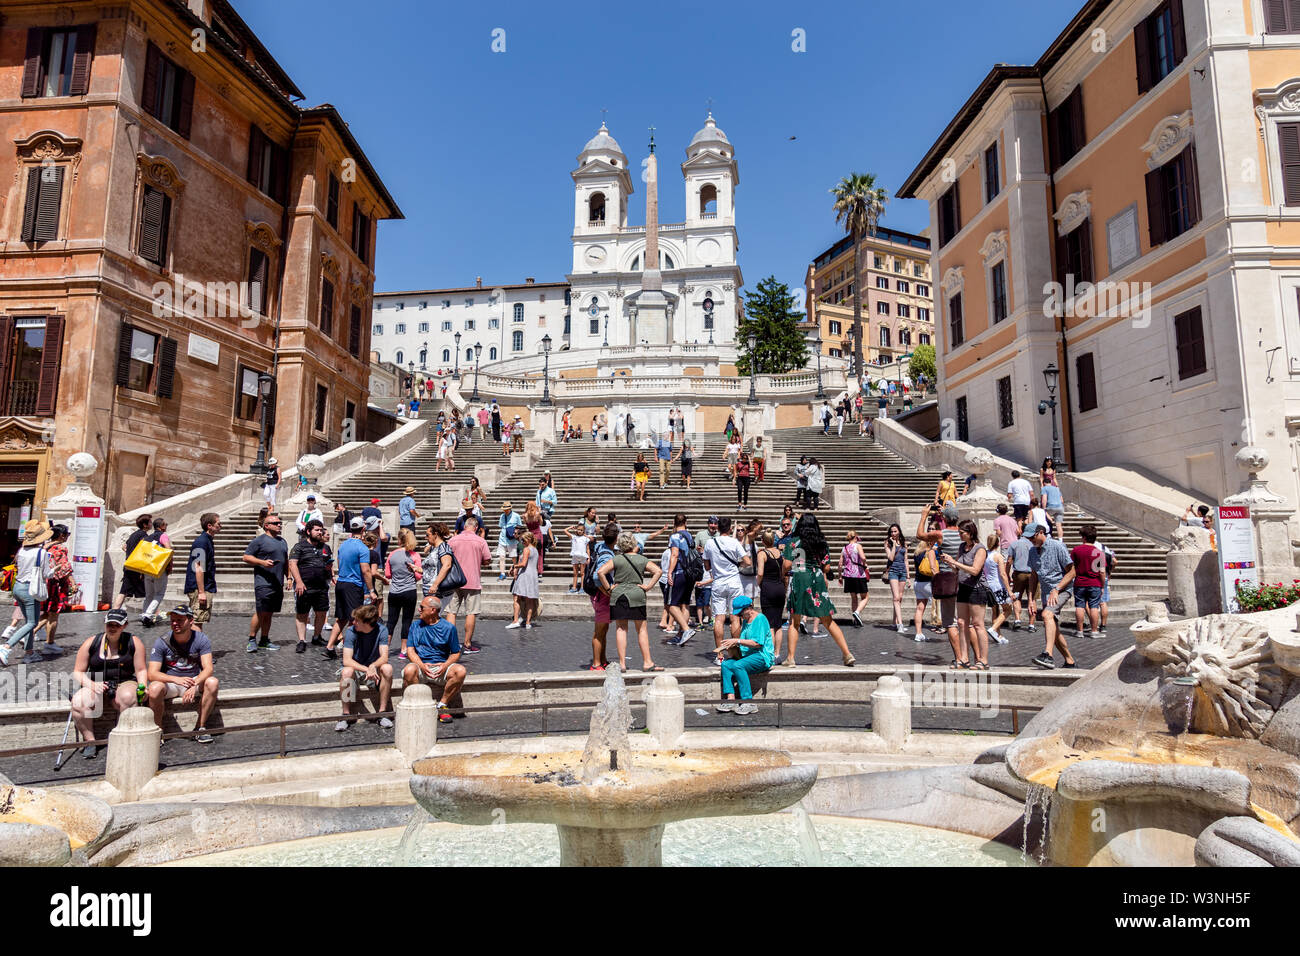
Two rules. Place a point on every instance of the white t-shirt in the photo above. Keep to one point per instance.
(1040, 516)
(723, 554)
(1021, 491)
(578, 547)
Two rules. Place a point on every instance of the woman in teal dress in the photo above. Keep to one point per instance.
(806, 558)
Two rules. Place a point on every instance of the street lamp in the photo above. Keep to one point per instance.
(1052, 377)
(264, 386)
(817, 345)
(751, 339)
(546, 370)
(478, 350)
(456, 374)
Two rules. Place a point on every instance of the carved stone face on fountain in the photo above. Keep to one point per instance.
(1238, 687)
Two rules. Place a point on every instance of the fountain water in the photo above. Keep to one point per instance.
(808, 845)
(607, 744)
(411, 837)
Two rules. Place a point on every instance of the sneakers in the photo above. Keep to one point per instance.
(1069, 665)
(342, 726)
(726, 707)
(802, 628)
(301, 648)
(513, 624)
(919, 637)
(265, 645)
(501, 577)
(903, 629)
(252, 645)
(467, 649)
(386, 723)
(996, 637)
(4, 656)
(1042, 660)
(681, 641)
(90, 751)
(747, 708)
(1031, 628)
(1090, 634)
(857, 621)
(401, 655)
(318, 641)
(204, 737)
(443, 716)
(1101, 629)
(330, 654)
(528, 626)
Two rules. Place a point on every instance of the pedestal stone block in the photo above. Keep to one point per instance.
(449, 498)
(488, 476)
(521, 461)
(132, 752)
(545, 420)
(891, 712)
(416, 728)
(845, 498)
(776, 462)
(535, 447)
(665, 709)
(1193, 574)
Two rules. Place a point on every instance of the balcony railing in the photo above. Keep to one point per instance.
(22, 398)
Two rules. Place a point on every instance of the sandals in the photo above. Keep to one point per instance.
(850, 661)
(652, 669)
(979, 666)
(957, 665)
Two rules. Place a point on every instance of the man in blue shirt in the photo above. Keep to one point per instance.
(507, 544)
(546, 498)
(355, 585)
(201, 570)
(664, 455)
(679, 589)
(1054, 568)
(406, 513)
(433, 649)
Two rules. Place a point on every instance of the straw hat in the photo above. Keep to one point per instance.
(36, 532)
(410, 489)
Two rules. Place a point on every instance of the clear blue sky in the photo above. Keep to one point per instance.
(477, 146)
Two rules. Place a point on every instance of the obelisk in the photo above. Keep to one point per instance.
(651, 325)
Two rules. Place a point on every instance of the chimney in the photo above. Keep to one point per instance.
(529, 281)
(478, 282)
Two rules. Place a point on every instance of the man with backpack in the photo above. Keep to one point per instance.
(685, 569)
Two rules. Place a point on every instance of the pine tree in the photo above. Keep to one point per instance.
(771, 315)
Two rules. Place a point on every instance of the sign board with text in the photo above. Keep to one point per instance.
(1238, 558)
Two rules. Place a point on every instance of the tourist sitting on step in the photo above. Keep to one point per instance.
(742, 657)
(109, 666)
(365, 659)
(433, 647)
(180, 668)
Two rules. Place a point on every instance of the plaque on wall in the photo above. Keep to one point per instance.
(205, 350)
(1122, 244)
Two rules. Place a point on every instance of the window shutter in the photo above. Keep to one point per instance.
(1288, 135)
(332, 208)
(255, 147)
(1193, 180)
(956, 207)
(1084, 233)
(166, 367)
(1086, 382)
(47, 392)
(1157, 219)
(1054, 138)
(327, 307)
(33, 72)
(270, 407)
(124, 354)
(151, 226)
(47, 207)
(354, 331)
(1062, 259)
(1078, 135)
(1178, 31)
(187, 105)
(280, 192)
(258, 293)
(1142, 47)
(6, 357)
(149, 88)
(1292, 17)
(31, 204)
(82, 59)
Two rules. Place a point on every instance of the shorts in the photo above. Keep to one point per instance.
(310, 601)
(896, 576)
(1062, 598)
(721, 597)
(422, 678)
(1057, 515)
(998, 598)
(620, 610)
(855, 585)
(703, 596)
(463, 601)
(972, 594)
(201, 614)
(1089, 597)
(1105, 592)
(268, 602)
(507, 551)
(680, 593)
(600, 604)
(1020, 582)
(132, 584)
(1019, 511)
(347, 598)
(687, 464)
(922, 590)
(350, 688)
(172, 691)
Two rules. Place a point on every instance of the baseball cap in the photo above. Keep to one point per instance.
(950, 512)
(116, 616)
(181, 610)
(713, 519)
(374, 501)
(357, 524)
(741, 601)
(1033, 528)
(372, 523)
(311, 497)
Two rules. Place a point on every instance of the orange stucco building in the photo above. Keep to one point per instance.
(1127, 209)
(175, 226)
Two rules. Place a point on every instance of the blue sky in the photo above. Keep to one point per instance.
(477, 146)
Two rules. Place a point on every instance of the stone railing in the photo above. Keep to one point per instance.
(797, 385)
(623, 355)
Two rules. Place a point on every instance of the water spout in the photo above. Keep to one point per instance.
(608, 747)
(411, 837)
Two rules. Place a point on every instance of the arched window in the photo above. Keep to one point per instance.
(666, 261)
(399, 358)
(884, 337)
(519, 311)
(492, 354)
(596, 209)
(708, 201)
(446, 355)
(424, 357)
(517, 341)
(469, 355)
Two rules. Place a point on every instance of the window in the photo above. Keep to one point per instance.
(145, 362)
(519, 311)
(361, 235)
(332, 203)
(884, 337)
(1085, 377)
(354, 331)
(904, 311)
(567, 323)
(327, 309)
(956, 330)
(469, 302)
(1288, 137)
(446, 326)
(258, 280)
(423, 328)
(998, 290)
(923, 315)
(446, 303)
(963, 421)
(541, 297)
(923, 338)
(1280, 16)
(268, 165)
(155, 221)
(594, 327)
(517, 341)
(1074, 254)
(904, 336)
(1065, 129)
(494, 324)
(168, 92)
(30, 353)
(399, 328)
(918, 270)
(882, 308)
(992, 179)
(349, 420)
(469, 325)
(1006, 415)
(398, 358)
(1173, 197)
(882, 282)
(835, 328)
(922, 290)
(43, 201)
(904, 286)
(322, 403)
(424, 357)
(1189, 340)
(900, 266)
(492, 353)
(446, 355)
(246, 397)
(949, 215)
(1160, 44)
(596, 209)
(880, 262)
(375, 329)
(58, 61)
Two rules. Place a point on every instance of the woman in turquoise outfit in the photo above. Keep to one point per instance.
(806, 558)
(754, 650)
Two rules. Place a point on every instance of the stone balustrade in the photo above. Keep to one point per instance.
(795, 385)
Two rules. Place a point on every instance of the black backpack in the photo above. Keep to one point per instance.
(692, 563)
(589, 583)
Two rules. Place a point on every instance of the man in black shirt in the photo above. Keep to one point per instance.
(311, 565)
(268, 556)
(201, 570)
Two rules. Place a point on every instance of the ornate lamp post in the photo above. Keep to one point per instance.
(478, 351)
(456, 374)
(751, 339)
(817, 346)
(410, 381)
(1051, 377)
(265, 384)
(546, 370)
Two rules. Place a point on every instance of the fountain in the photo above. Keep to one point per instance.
(608, 803)
(48, 828)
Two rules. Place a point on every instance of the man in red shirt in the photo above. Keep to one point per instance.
(471, 553)
(1089, 579)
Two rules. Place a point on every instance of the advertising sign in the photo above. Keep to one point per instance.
(87, 552)
(1238, 561)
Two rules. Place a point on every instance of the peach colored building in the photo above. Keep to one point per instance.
(897, 308)
(1128, 209)
(175, 225)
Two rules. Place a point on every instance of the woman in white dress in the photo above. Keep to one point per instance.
(525, 584)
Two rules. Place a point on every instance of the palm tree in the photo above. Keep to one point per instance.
(859, 204)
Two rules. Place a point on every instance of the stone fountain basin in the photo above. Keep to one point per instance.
(42, 827)
(663, 786)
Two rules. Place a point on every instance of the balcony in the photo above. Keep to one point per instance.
(22, 399)
(595, 222)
